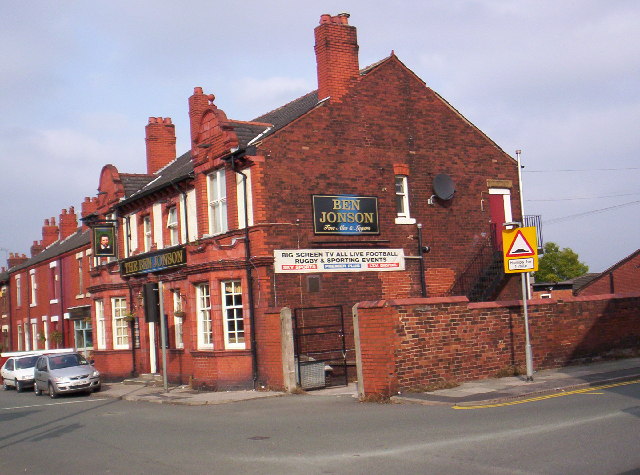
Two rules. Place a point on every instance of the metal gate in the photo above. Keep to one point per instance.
(320, 347)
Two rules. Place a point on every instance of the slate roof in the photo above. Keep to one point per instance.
(77, 240)
(133, 182)
(179, 169)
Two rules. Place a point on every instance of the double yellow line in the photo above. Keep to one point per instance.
(549, 396)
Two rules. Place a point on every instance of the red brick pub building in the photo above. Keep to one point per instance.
(324, 202)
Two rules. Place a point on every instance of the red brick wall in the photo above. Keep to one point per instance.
(418, 342)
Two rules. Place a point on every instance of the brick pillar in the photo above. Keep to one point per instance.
(336, 56)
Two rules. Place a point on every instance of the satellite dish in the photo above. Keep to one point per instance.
(443, 186)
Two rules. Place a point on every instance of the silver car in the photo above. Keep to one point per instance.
(65, 373)
(17, 371)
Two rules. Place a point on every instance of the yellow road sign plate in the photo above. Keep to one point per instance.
(520, 250)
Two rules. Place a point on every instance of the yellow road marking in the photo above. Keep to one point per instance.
(549, 396)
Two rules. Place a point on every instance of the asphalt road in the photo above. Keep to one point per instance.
(596, 432)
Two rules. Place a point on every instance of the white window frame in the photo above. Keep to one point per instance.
(240, 199)
(172, 225)
(54, 281)
(178, 321)
(146, 232)
(401, 189)
(34, 335)
(33, 288)
(79, 260)
(20, 338)
(101, 332)
(217, 199)
(233, 314)
(205, 322)
(18, 280)
(119, 324)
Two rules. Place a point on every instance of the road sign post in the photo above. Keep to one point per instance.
(520, 249)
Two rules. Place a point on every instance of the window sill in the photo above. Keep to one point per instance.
(403, 220)
(53, 301)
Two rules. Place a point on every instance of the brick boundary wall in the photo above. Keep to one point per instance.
(415, 343)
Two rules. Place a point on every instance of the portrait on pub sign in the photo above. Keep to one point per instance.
(104, 241)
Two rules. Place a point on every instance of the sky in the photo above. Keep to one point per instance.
(558, 80)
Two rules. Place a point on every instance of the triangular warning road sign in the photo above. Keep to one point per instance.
(520, 246)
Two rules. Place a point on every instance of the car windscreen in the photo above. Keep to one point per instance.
(66, 361)
(26, 362)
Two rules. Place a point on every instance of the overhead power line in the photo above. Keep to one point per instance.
(582, 170)
(587, 213)
(586, 197)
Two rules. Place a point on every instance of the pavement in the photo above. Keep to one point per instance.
(484, 391)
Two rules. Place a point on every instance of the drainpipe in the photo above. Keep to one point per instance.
(247, 248)
(423, 283)
(61, 317)
(132, 325)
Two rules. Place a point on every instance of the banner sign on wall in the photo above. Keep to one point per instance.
(345, 214)
(309, 261)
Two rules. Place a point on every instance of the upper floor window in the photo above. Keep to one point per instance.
(79, 257)
(172, 225)
(18, 291)
(33, 287)
(146, 232)
(402, 200)
(217, 193)
(53, 283)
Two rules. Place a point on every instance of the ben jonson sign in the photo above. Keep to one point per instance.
(153, 262)
(345, 214)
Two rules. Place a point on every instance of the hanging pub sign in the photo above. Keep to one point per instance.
(154, 261)
(345, 214)
(104, 240)
(305, 261)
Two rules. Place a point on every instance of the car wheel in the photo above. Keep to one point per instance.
(52, 392)
(97, 388)
(19, 386)
(5, 386)
(37, 390)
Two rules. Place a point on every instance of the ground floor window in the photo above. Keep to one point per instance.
(100, 322)
(205, 328)
(119, 324)
(83, 335)
(233, 314)
(20, 339)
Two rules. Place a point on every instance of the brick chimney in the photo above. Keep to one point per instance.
(50, 233)
(89, 206)
(161, 143)
(36, 248)
(199, 102)
(68, 223)
(16, 259)
(336, 56)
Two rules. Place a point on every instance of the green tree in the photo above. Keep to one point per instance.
(558, 265)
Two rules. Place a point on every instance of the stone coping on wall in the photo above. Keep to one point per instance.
(494, 304)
